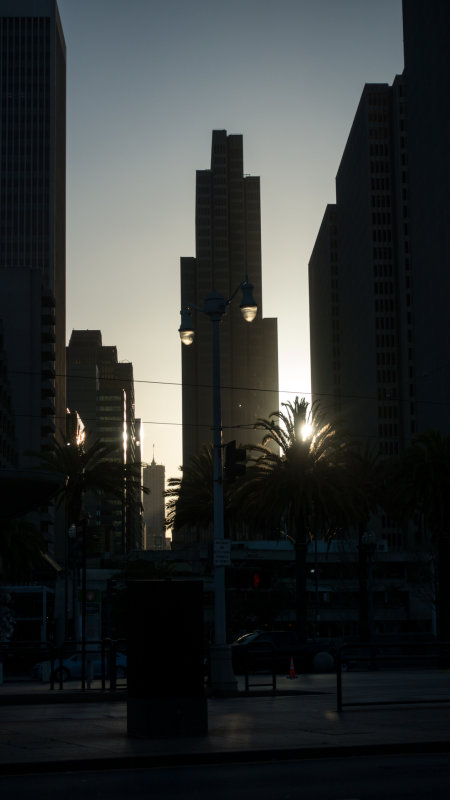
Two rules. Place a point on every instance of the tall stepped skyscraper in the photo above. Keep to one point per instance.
(228, 248)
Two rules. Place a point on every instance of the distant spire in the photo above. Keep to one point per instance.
(153, 462)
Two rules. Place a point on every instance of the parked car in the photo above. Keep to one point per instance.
(261, 650)
(70, 668)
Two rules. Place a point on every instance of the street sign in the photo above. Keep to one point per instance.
(222, 553)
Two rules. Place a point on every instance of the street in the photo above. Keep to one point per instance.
(414, 777)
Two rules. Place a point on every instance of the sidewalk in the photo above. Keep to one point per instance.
(303, 723)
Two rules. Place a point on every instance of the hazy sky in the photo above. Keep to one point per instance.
(148, 81)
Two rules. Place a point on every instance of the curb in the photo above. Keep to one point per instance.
(230, 757)
(120, 696)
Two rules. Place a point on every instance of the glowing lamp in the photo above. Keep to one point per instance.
(248, 306)
(186, 329)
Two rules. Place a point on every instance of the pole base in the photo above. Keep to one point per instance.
(223, 680)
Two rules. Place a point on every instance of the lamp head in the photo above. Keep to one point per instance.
(186, 329)
(248, 306)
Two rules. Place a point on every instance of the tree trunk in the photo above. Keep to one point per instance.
(301, 596)
(443, 587)
(363, 574)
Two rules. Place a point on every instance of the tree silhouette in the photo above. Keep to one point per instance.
(90, 468)
(299, 480)
(420, 490)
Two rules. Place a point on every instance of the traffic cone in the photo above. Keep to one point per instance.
(292, 669)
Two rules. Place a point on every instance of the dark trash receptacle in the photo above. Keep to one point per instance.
(166, 693)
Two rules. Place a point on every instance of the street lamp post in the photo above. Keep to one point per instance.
(222, 679)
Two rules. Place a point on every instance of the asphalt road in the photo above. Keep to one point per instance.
(418, 777)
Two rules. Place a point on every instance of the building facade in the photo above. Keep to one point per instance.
(426, 27)
(228, 248)
(101, 390)
(32, 225)
(379, 279)
(154, 479)
(361, 297)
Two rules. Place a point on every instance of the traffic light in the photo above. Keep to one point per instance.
(256, 580)
(233, 457)
(261, 579)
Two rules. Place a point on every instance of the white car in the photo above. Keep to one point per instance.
(71, 667)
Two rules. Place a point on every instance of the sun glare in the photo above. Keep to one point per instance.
(306, 431)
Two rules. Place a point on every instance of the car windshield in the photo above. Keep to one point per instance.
(247, 637)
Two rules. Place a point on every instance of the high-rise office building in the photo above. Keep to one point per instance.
(154, 506)
(379, 272)
(32, 224)
(101, 390)
(362, 349)
(228, 248)
(426, 27)
(380, 287)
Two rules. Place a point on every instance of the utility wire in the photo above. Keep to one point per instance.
(297, 393)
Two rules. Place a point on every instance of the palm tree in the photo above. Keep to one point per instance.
(422, 492)
(299, 480)
(190, 507)
(89, 468)
(367, 476)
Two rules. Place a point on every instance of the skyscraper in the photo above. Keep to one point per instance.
(32, 224)
(228, 247)
(362, 350)
(380, 285)
(101, 390)
(426, 27)
(154, 507)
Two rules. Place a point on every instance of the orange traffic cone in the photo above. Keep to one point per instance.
(292, 669)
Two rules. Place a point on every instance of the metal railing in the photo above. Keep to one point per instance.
(252, 659)
(378, 656)
(51, 663)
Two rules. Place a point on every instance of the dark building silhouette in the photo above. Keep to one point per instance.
(380, 287)
(32, 223)
(426, 28)
(362, 353)
(154, 479)
(8, 449)
(101, 390)
(379, 272)
(228, 247)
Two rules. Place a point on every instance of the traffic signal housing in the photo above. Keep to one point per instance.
(233, 461)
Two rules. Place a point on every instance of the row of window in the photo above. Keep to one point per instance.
(379, 150)
(381, 218)
(385, 306)
(385, 323)
(381, 200)
(380, 184)
(382, 235)
(382, 253)
(387, 412)
(384, 393)
(383, 359)
(383, 287)
(379, 133)
(386, 376)
(387, 429)
(389, 449)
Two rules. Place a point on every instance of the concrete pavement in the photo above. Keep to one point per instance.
(299, 721)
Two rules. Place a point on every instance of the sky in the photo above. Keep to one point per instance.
(147, 83)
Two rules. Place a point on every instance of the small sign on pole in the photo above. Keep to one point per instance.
(222, 553)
